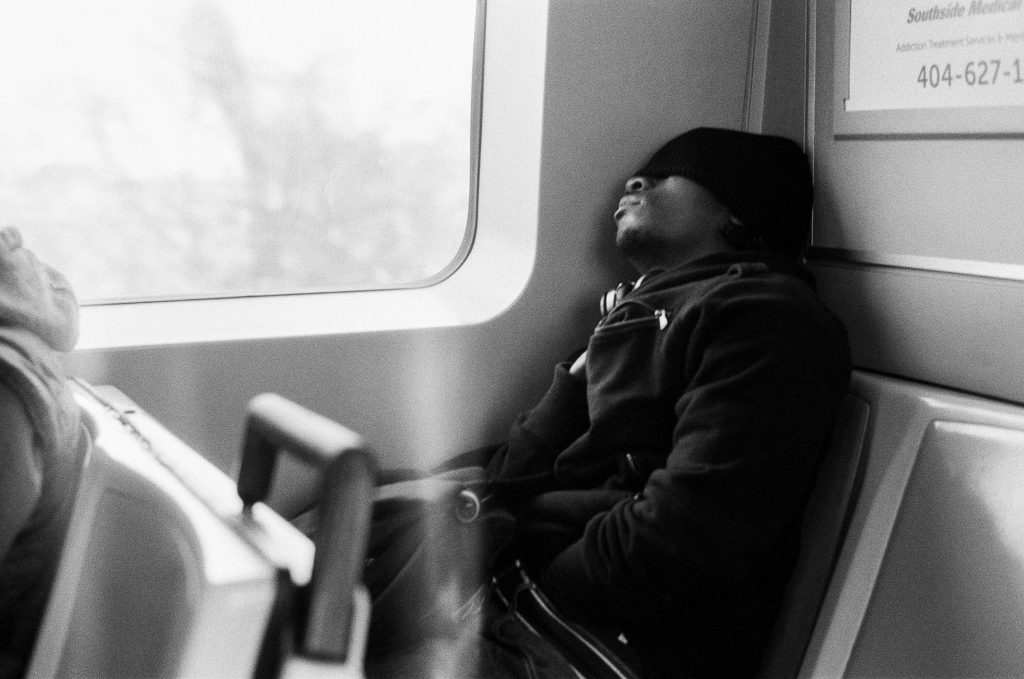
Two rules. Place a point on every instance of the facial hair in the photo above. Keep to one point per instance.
(637, 245)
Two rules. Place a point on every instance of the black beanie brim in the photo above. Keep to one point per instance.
(764, 180)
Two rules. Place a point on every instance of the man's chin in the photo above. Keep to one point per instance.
(632, 241)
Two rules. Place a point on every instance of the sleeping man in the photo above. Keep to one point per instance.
(657, 488)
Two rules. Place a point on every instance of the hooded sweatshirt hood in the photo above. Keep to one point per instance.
(35, 297)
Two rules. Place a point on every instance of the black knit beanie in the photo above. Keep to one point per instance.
(765, 181)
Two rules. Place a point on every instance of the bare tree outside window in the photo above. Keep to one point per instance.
(191, 148)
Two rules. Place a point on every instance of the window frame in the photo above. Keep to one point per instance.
(490, 270)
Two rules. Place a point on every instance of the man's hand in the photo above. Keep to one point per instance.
(579, 367)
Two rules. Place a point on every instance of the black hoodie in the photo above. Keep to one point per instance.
(662, 498)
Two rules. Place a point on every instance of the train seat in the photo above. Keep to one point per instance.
(151, 583)
(163, 574)
(825, 522)
(929, 581)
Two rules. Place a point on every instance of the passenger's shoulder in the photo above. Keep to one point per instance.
(34, 378)
(755, 283)
(10, 403)
(16, 432)
(778, 303)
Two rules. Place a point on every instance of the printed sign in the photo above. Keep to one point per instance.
(919, 55)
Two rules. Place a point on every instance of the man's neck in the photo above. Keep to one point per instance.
(646, 266)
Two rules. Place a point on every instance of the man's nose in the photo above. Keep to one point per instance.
(637, 184)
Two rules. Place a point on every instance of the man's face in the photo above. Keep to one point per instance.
(671, 219)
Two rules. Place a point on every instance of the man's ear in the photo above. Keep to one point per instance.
(742, 237)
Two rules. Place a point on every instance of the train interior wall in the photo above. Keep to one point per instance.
(901, 199)
(619, 80)
(618, 83)
(903, 224)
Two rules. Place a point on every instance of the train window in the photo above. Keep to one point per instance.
(227, 148)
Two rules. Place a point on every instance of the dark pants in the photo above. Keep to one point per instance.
(426, 566)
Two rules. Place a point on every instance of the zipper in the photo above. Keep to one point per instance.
(660, 315)
(599, 654)
(528, 596)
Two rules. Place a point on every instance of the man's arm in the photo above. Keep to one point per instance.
(749, 432)
(20, 477)
(525, 463)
